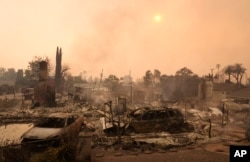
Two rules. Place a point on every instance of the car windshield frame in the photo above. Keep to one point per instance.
(51, 122)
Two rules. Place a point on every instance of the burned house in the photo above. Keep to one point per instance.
(7, 89)
(82, 93)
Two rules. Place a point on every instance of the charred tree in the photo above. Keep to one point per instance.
(58, 75)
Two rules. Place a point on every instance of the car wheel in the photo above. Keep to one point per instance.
(174, 129)
(130, 130)
(56, 143)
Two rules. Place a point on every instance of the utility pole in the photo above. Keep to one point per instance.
(101, 75)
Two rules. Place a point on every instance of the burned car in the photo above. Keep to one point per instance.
(156, 119)
(53, 130)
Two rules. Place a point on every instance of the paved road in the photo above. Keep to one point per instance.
(178, 156)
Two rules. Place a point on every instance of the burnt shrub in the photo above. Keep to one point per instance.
(64, 153)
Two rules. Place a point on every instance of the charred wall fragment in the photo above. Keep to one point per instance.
(205, 90)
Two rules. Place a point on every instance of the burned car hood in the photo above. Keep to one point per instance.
(42, 133)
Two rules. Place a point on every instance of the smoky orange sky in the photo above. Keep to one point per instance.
(122, 35)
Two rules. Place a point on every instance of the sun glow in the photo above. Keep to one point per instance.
(157, 18)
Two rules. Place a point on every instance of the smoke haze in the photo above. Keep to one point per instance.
(118, 36)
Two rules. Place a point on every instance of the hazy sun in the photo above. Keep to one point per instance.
(157, 18)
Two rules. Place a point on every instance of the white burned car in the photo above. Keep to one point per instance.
(53, 130)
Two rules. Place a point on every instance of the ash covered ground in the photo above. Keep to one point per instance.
(213, 131)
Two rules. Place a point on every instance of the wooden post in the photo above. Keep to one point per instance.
(118, 130)
(210, 127)
(14, 93)
(227, 116)
(223, 111)
(104, 116)
(185, 115)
